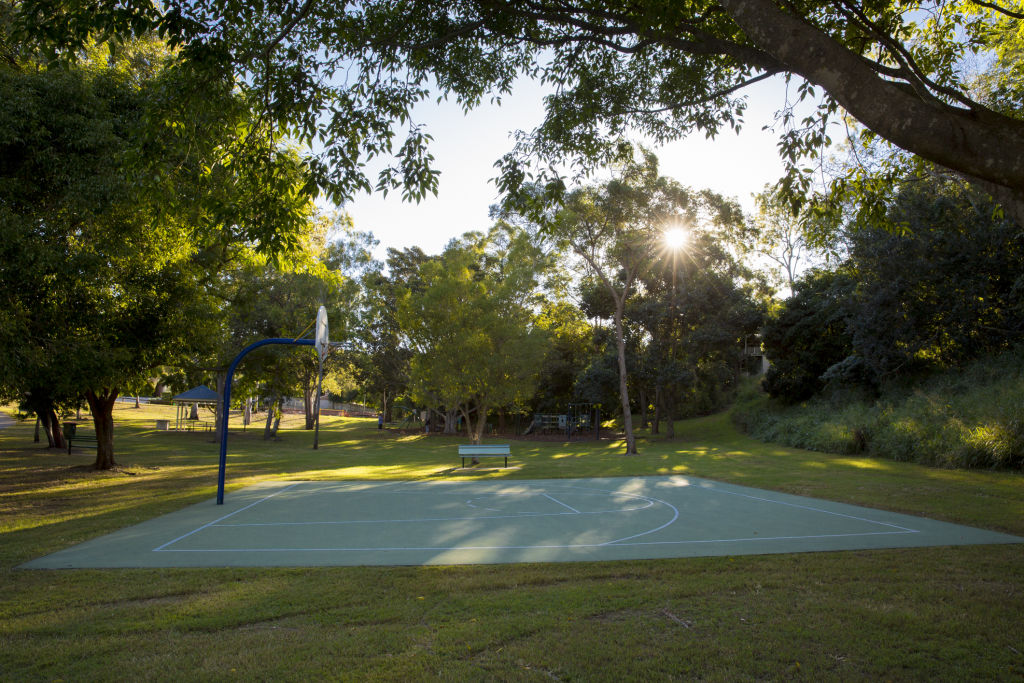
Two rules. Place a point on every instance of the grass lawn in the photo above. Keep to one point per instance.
(920, 614)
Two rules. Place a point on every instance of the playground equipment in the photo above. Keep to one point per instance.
(411, 419)
(578, 418)
(581, 417)
(545, 423)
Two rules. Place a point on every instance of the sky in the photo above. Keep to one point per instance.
(466, 146)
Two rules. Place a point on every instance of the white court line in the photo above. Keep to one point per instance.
(626, 494)
(518, 515)
(560, 503)
(775, 538)
(355, 487)
(675, 516)
(808, 507)
(209, 524)
(617, 542)
(530, 547)
(650, 503)
(163, 549)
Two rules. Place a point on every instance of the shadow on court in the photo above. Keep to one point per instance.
(437, 521)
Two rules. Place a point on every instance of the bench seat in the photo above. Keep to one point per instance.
(484, 451)
(87, 440)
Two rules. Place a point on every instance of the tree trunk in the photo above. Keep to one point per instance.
(620, 345)
(220, 381)
(278, 414)
(981, 143)
(670, 425)
(267, 433)
(481, 424)
(102, 407)
(449, 420)
(307, 405)
(36, 438)
(48, 428)
(138, 404)
(643, 408)
(656, 422)
(475, 430)
(58, 433)
(47, 420)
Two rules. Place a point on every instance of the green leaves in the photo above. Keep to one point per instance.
(125, 186)
(471, 324)
(345, 78)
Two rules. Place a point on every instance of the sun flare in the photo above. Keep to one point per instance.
(675, 238)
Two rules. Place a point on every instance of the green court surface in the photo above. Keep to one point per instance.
(480, 522)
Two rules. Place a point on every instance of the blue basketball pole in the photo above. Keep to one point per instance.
(227, 403)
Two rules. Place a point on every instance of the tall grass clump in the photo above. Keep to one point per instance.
(971, 417)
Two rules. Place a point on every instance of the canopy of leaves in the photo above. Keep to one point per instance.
(123, 186)
(808, 335)
(472, 326)
(941, 284)
(342, 76)
(696, 311)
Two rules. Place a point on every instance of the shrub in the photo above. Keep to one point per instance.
(967, 418)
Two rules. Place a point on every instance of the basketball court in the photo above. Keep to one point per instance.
(335, 523)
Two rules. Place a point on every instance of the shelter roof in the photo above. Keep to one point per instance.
(200, 394)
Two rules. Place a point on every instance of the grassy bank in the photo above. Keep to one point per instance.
(937, 613)
(972, 417)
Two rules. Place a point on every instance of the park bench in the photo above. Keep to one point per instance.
(484, 451)
(82, 440)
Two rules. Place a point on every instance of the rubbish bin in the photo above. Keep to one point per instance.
(163, 425)
(69, 429)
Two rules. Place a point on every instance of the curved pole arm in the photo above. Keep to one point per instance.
(227, 403)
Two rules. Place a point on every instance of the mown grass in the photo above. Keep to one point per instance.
(934, 613)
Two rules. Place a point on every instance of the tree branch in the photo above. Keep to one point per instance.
(289, 26)
(997, 8)
(979, 142)
(707, 98)
(911, 72)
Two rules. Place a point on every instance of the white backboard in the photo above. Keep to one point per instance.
(323, 344)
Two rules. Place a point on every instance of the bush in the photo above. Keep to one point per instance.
(968, 418)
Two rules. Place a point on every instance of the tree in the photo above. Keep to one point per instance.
(777, 234)
(120, 193)
(663, 69)
(383, 355)
(696, 308)
(615, 231)
(809, 335)
(937, 286)
(933, 285)
(569, 352)
(471, 327)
